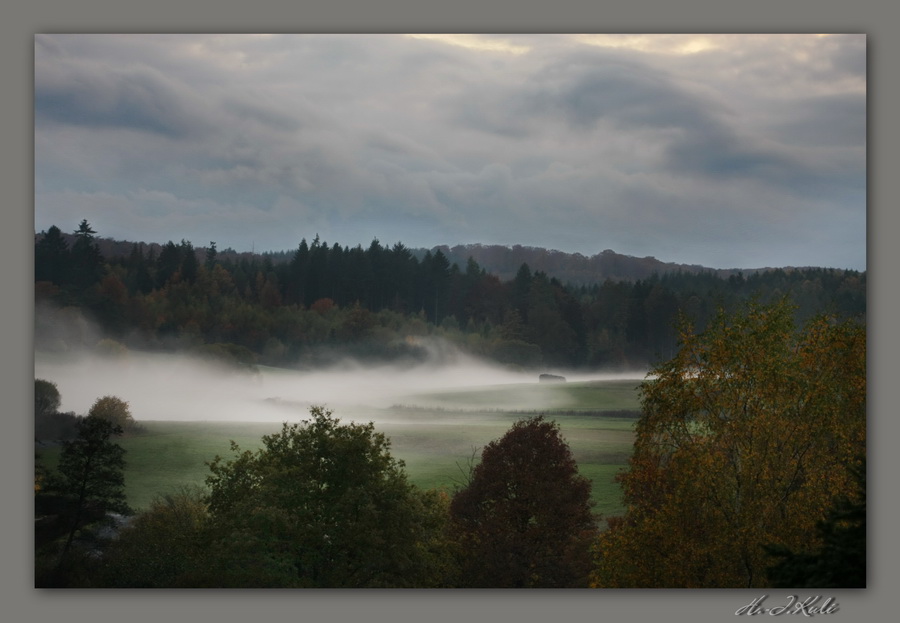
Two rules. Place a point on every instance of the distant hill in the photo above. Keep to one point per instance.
(499, 260)
(573, 268)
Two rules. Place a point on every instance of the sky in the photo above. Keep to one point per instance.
(728, 151)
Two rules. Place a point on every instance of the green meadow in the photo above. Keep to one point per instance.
(438, 436)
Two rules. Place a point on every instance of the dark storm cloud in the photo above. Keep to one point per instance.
(590, 89)
(599, 94)
(533, 139)
(835, 121)
(140, 99)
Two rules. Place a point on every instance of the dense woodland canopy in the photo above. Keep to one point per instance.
(321, 300)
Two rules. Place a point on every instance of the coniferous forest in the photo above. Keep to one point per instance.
(302, 307)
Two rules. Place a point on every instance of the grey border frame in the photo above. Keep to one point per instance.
(20, 21)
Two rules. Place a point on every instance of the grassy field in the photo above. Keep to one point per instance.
(436, 436)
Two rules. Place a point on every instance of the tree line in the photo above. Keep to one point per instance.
(374, 302)
(748, 471)
(322, 504)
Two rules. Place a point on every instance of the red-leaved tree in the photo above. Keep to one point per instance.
(524, 519)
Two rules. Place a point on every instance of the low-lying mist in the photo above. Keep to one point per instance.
(184, 388)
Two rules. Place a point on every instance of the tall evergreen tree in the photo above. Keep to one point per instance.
(168, 263)
(189, 264)
(139, 277)
(87, 261)
(52, 258)
(295, 287)
(439, 282)
(521, 286)
(211, 253)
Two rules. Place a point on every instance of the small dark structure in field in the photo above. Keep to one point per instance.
(552, 378)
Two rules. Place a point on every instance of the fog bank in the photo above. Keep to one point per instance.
(181, 388)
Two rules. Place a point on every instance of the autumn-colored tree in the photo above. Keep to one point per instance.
(113, 410)
(358, 323)
(744, 441)
(524, 520)
(322, 306)
(840, 562)
(112, 303)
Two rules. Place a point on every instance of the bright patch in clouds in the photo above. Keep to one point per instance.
(664, 44)
(476, 42)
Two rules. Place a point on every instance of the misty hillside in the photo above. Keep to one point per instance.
(516, 306)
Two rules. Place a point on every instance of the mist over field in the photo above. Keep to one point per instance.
(171, 387)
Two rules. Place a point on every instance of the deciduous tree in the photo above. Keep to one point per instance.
(321, 504)
(46, 398)
(524, 519)
(161, 547)
(744, 441)
(49, 423)
(114, 410)
(840, 562)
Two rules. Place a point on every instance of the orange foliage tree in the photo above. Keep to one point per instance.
(744, 442)
(114, 410)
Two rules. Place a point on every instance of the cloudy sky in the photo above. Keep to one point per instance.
(726, 150)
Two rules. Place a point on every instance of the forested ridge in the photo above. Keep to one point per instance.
(304, 306)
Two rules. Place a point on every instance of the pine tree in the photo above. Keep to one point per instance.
(52, 258)
(87, 261)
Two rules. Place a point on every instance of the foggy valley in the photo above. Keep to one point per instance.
(415, 333)
(172, 387)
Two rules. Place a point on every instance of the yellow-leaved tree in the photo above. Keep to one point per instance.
(745, 442)
(114, 410)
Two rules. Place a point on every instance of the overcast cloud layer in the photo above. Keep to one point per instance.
(727, 151)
